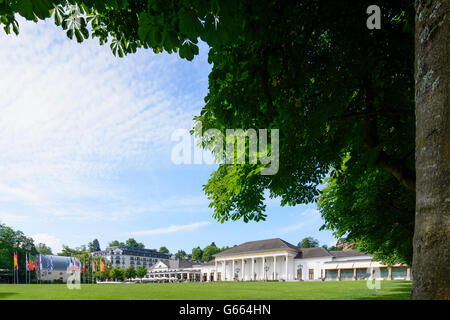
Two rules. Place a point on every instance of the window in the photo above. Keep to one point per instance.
(331, 274)
(399, 272)
(362, 273)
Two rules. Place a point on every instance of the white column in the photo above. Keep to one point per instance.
(232, 269)
(287, 267)
(263, 267)
(253, 269)
(275, 267)
(224, 269)
(215, 271)
(243, 269)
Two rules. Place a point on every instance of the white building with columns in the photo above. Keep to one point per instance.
(276, 259)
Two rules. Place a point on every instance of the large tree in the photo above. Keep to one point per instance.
(197, 254)
(163, 249)
(308, 242)
(95, 245)
(370, 209)
(12, 241)
(42, 248)
(313, 70)
(431, 277)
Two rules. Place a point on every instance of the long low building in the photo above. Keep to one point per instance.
(175, 269)
(276, 259)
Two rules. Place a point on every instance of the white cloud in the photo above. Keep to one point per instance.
(51, 241)
(9, 219)
(310, 212)
(74, 116)
(171, 229)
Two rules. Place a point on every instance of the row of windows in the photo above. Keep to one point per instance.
(149, 253)
(137, 263)
(136, 259)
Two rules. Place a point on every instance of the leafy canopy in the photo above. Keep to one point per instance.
(308, 242)
(309, 68)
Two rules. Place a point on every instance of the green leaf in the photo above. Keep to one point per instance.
(25, 9)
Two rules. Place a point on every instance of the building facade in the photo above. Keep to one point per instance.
(59, 272)
(124, 257)
(175, 270)
(276, 259)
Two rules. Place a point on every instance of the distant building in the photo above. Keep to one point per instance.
(124, 257)
(59, 272)
(176, 269)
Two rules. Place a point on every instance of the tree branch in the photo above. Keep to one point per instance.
(397, 168)
(366, 114)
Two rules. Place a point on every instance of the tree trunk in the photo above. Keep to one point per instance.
(431, 261)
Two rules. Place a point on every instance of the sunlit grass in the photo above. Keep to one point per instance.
(211, 291)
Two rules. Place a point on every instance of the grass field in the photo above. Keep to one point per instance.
(355, 290)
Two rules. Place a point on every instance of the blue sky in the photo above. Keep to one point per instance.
(85, 149)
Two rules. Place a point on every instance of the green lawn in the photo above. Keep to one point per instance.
(211, 291)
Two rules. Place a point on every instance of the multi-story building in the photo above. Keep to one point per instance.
(124, 257)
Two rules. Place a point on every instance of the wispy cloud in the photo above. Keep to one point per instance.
(53, 242)
(73, 117)
(11, 218)
(171, 229)
(309, 216)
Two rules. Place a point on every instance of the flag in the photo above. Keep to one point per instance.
(31, 262)
(16, 262)
(93, 265)
(102, 266)
(40, 262)
(84, 265)
(67, 265)
(51, 263)
(27, 266)
(37, 263)
(48, 264)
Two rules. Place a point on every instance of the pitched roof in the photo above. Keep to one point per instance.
(312, 253)
(347, 253)
(260, 245)
(177, 263)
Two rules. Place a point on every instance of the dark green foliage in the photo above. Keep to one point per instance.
(12, 241)
(197, 254)
(181, 254)
(43, 249)
(309, 68)
(373, 211)
(163, 249)
(308, 242)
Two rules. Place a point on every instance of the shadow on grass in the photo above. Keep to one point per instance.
(4, 295)
(400, 292)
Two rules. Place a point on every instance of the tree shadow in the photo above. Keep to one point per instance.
(400, 292)
(4, 295)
